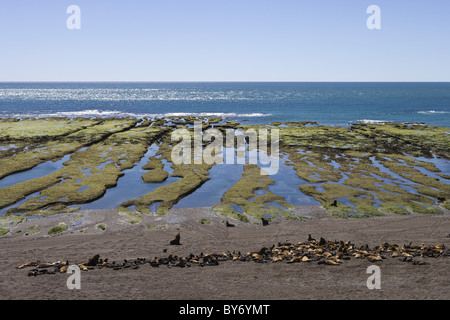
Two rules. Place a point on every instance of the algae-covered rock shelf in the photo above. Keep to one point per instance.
(355, 171)
(366, 170)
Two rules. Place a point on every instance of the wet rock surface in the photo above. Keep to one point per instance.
(357, 171)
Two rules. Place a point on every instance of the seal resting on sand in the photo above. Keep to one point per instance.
(176, 241)
(28, 264)
(92, 261)
(229, 224)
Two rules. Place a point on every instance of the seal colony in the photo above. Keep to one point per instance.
(357, 171)
(322, 252)
(223, 279)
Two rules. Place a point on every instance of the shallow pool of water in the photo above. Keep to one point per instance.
(130, 185)
(38, 171)
(286, 185)
(223, 177)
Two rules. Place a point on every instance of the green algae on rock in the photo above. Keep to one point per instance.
(42, 148)
(61, 227)
(167, 195)
(113, 145)
(31, 230)
(156, 171)
(101, 226)
(42, 128)
(381, 138)
(242, 195)
(356, 171)
(192, 177)
(85, 177)
(129, 216)
(204, 221)
(371, 159)
(7, 222)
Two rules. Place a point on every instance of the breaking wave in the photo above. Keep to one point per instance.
(114, 113)
(432, 112)
(369, 121)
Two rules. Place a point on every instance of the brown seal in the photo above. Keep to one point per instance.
(92, 261)
(28, 264)
(229, 224)
(176, 241)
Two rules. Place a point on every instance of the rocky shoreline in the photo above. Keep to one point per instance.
(357, 171)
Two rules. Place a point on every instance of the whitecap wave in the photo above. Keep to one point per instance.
(216, 114)
(369, 121)
(115, 113)
(432, 112)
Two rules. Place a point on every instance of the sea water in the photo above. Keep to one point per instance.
(338, 103)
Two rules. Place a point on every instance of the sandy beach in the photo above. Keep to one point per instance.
(230, 279)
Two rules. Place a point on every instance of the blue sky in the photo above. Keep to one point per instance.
(225, 40)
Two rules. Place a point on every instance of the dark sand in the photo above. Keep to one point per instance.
(230, 279)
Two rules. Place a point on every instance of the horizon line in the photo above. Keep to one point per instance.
(217, 81)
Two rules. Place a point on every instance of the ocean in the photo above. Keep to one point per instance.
(256, 102)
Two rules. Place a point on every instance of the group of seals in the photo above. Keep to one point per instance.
(323, 252)
(59, 266)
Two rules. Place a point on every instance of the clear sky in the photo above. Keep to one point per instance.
(225, 40)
